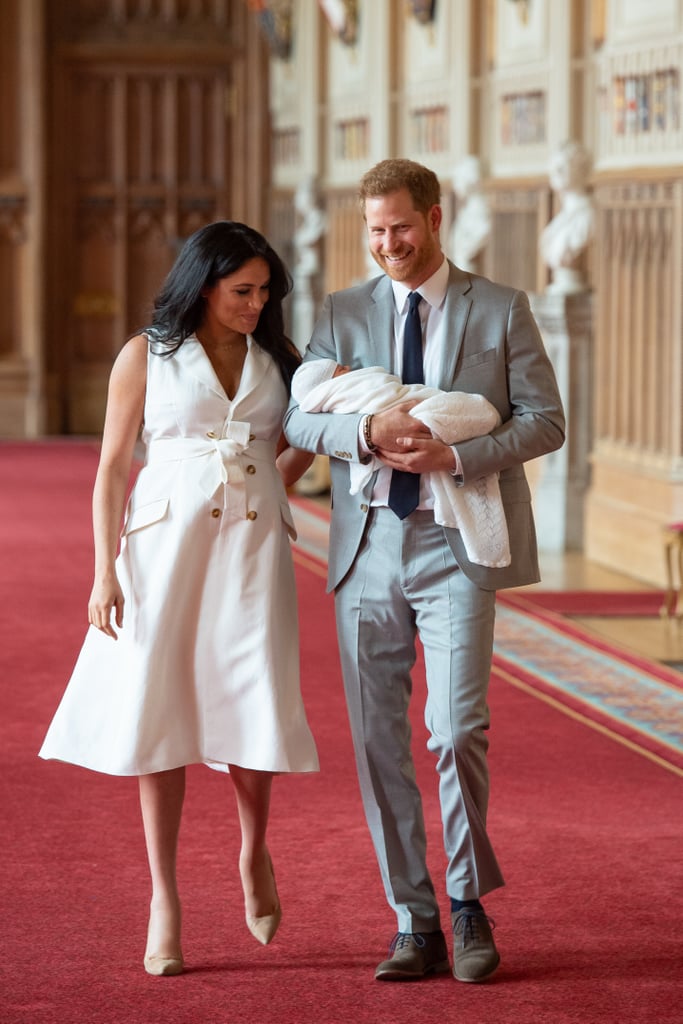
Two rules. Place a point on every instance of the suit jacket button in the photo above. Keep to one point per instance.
(364, 507)
(252, 515)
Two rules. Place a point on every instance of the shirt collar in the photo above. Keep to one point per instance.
(433, 290)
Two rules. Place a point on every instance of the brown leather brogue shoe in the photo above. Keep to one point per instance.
(414, 955)
(475, 956)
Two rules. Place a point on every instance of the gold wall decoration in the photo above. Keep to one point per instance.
(422, 10)
(275, 19)
(13, 218)
(343, 18)
(96, 304)
(598, 22)
(522, 8)
(491, 17)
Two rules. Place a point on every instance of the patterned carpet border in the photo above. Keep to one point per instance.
(645, 707)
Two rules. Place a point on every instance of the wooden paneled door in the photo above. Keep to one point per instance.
(158, 125)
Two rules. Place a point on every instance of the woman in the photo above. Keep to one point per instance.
(206, 664)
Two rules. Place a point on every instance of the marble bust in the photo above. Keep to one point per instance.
(472, 225)
(567, 235)
(309, 230)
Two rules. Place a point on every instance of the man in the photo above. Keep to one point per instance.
(396, 573)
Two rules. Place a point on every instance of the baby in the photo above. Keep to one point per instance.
(475, 508)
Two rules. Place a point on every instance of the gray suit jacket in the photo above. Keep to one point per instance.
(495, 349)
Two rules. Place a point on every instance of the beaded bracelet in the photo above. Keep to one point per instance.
(366, 434)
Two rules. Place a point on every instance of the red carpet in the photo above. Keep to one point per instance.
(588, 834)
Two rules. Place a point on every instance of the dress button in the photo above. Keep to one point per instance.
(215, 512)
(211, 434)
(251, 470)
(252, 437)
(252, 515)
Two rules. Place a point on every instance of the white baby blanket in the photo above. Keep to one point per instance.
(475, 508)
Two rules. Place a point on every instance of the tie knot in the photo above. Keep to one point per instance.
(414, 299)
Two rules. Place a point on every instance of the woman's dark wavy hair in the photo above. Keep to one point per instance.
(208, 255)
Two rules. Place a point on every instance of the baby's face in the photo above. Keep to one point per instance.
(340, 370)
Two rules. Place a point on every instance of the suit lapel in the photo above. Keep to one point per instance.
(381, 325)
(456, 313)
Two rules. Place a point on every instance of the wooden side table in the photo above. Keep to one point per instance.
(673, 554)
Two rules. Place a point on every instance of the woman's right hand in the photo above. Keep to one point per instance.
(106, 596)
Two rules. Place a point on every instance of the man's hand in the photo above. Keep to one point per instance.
(403, 442)
(419, 455)
(388, 426)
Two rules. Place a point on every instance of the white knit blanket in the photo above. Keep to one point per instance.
(475, 508)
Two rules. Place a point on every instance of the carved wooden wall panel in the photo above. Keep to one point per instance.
(12, 241)
(12, 200)
(637, 459)
(9, 58)
(518, 215)
(148, 101)
(20, 218)
(345, 243)
(639, 321)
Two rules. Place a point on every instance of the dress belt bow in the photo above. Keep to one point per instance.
(223, 467)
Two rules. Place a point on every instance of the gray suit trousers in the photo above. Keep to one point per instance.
(404, 583)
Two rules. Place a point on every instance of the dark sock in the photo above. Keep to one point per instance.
(457, 905)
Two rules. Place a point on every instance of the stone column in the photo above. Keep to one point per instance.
(562, 477)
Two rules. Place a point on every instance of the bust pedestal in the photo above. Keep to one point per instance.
(316, 479)
(560, 480)
(566, 281)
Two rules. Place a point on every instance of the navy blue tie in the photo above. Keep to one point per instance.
(404, 489)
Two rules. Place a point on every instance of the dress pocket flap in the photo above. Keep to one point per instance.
(145, 515)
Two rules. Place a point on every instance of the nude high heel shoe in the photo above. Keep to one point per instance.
(164, 966)
(263, 928)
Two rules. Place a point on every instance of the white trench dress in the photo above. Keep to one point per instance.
(206, 667)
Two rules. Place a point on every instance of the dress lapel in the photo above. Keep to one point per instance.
(199, 365)
(256, 365)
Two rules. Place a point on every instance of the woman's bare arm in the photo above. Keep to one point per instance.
(125, 407)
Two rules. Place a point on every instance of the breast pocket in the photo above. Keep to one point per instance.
(487, 355)
(480, 372)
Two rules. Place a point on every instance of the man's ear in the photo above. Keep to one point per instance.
(435, 217)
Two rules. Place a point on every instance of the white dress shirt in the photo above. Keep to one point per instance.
(433, 292)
